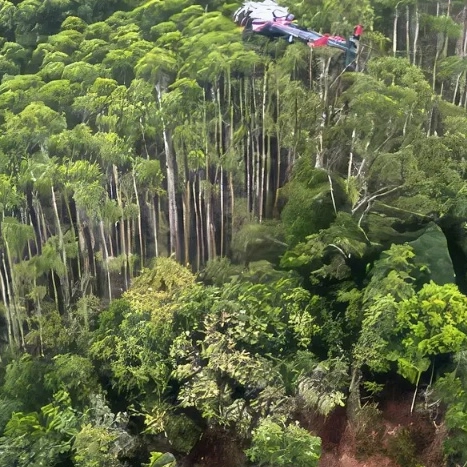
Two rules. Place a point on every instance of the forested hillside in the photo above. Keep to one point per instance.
(218, 249)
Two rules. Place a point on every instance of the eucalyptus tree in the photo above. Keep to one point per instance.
(7, 19)
(98, 30)
(48, 178)
(66, 41)
(124, 55)
(17, 54)
(452, 73)
(15, 237)
(214, 69)
(113, 152)
(209, 144)
(96, 101)
(145, 13)
(8, 67)
(299, 113)
(26, 19)
(75, 23)
(445, 28)
(90, 196)
(147, 178)
(93, 51)
(83, 73)
(79, 175)
(16, 92)
(38, 55)
(132, 113)
(184, 110)
(32, 127)
(58, 94)
(157, 67)
(28, 132)
(398, 94)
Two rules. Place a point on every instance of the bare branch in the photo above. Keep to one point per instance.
(340, 250)
(377, 194)
(332, 194)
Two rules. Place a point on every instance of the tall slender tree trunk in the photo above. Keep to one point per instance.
(438, 51)
(261, 187)
(246, 155)
(43, 223)
(37, 301)
(456, 87)
(416, 33)
(201, 220)
(153, 210)
(211, 244)
(198, 227)
(255, 151)
(129, 248)
(464, 32)
(187, 220)
(12, 339)
(222, 233)
(407, 31)
(13, 295)
(33, 217)
(279, 145)
(121, 224)
(86, 273)
(174, 242)
(73, 231)
(140, 227)
(106, 257)
(232, 205)
(61, 246)
(394, 31)
(268, 191)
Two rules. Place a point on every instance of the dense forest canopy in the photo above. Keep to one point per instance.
(211, 244)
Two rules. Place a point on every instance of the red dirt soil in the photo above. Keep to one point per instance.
(345, 460)
(339, 441)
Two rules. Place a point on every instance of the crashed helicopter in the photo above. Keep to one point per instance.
(269, 19)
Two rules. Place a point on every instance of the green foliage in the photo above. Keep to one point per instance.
(212, 388)
(135, 353)
(322, 388)
(112, 317)
(434, 320)
(329, 254)
(159, 459)
(451, 389)
(93, 447)
(24, 382)
(162, 281)
(392, 274)
(255, 242)
(310, 205)
(74, 374)
(123, 121)
(40, 438)
(276, 444)
(273, 318)
(219, 271)
(401, 448)
(182, 433)
(7, 408)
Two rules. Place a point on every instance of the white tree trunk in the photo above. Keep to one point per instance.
(174, 246)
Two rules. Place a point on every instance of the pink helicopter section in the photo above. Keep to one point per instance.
(269, 19)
